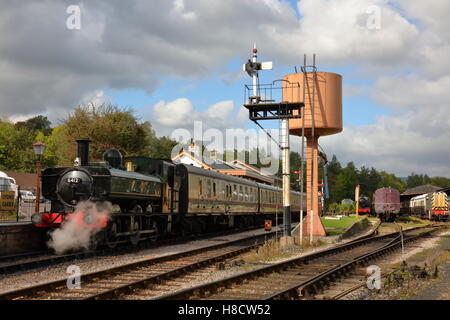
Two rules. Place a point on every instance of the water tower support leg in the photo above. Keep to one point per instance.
(312, 205)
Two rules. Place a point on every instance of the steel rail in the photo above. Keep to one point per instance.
(25, 255)
(53, 285)
(43, 261)
(212, 287)
(316, 284)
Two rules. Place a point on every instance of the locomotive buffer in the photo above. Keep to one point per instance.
(261, 102)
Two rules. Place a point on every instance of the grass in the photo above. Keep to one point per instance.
(405, 222)
(272, 250)
(336, 227)
(410, 221)
(4, 217)
(342, 223)
(334, 232)
(431, 258)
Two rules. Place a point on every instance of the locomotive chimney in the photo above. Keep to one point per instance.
(83, 151)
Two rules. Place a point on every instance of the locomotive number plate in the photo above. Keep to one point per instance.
(73, 180)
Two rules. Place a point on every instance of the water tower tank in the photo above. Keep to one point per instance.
(327, 103)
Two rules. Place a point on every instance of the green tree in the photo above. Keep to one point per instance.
(440, 182)
(109, 126)
(390, 180)
(415, 180)
(38, 123)
(16, 151)
(161, 147)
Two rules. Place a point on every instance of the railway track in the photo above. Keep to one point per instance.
(303, 277)
(153, 278)
(22, 256)
(109, 282)
(32, 260)
(160, 274)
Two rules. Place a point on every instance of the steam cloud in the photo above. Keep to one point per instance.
(74, 233)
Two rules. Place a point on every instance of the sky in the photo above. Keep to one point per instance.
(176, 62)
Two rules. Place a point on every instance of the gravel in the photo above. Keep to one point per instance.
(58, 272)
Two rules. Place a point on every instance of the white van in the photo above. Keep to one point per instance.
(7, 183)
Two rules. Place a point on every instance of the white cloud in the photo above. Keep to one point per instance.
(123, 45)
(180, 113)
(174, 113)
(46, 68)
(411, 91)
(412, 141)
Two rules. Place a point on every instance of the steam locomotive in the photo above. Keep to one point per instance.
(364, 205)
(152, 197)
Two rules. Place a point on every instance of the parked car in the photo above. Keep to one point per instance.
(27, 196)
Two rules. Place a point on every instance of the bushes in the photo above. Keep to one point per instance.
(343, 208)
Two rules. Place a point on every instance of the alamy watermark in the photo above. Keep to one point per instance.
(74, 280)
(201, 143)
(374, 278)
(73, 21)
(373, 21)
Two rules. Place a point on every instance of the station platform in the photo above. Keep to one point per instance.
(22, 236)
(14, 223)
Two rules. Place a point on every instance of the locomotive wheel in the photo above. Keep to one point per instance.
(111, 238)
(92, 244)
(154, 236)
(136, 237)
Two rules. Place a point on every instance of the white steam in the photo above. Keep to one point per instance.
(80, 228)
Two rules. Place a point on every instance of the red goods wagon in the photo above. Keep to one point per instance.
(386, 203)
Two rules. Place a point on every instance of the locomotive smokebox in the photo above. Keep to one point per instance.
(83, 151)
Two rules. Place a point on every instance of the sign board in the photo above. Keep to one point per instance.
(7, 201)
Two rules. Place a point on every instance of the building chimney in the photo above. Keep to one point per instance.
(194, 150)
(213, 155)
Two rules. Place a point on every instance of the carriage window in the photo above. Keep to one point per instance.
(200, 187)
(214, 189)
(240, 193)
(209, 188)
(235, 195)
(246, 194)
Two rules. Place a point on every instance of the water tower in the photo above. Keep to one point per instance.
(322, 96)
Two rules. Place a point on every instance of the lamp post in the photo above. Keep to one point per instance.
(38, 148)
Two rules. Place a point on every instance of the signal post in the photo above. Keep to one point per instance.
(262, 105)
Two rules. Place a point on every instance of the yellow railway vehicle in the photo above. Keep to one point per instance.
(433, 206)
